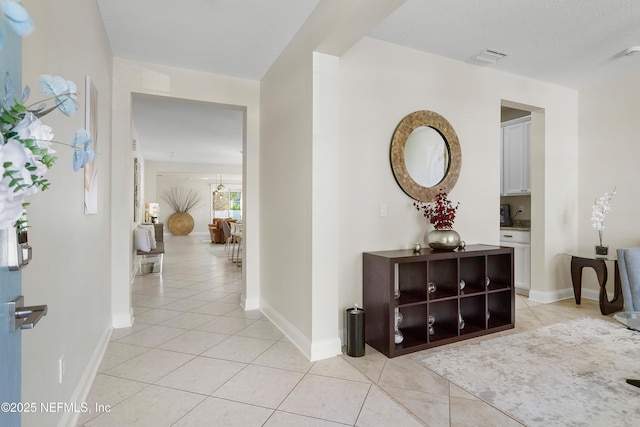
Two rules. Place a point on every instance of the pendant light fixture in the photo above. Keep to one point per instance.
(221, 187)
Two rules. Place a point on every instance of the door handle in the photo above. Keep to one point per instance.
(21, 317)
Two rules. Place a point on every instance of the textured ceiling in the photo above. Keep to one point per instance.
(166, 126)
(238, 38)
(574, 43)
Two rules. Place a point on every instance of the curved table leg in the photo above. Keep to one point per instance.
(599, 266)
(576, 277)
(617, 303)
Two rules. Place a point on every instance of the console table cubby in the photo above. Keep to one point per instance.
(486, 304)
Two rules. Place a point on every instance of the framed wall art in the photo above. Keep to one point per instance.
(91, 168)
(136, 189)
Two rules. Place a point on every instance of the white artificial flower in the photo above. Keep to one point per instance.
(25, 142)
(30, 127)
(10, 212)
(18, 155)
(601, 208)
(10, 205)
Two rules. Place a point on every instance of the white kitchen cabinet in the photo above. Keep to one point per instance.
(520, 242)
(515, 144)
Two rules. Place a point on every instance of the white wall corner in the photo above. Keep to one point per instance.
(292, 333)
(249, 303)
(312, 350)
(79, 396)
(122, 320)
(325, 349)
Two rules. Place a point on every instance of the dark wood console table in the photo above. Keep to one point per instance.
(435, 307)
(600, 267)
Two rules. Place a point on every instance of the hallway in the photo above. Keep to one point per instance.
(195, 358)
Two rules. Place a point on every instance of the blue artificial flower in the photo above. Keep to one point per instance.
(7, 100)
(63, 90)
(17, 17)
(82, 145)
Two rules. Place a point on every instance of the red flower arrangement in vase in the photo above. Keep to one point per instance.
(440, 213)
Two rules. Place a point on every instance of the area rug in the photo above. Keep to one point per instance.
(567, 374)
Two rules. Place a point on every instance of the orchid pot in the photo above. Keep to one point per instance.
(602, 250)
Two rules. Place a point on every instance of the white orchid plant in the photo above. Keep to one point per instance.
(601, 208)
(25, 144)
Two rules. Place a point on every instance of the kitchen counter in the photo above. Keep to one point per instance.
(518, 225)
(516, 228)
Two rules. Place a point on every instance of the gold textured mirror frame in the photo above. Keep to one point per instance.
(398, 143)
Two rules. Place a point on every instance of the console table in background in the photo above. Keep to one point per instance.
(598, 263)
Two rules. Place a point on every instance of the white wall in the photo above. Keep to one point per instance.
(70, 267)
(285, 179)
(325, 181)
(136, 77)
(380, 84)
(608, 158)
(300, 149)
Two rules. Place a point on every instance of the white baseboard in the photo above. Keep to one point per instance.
(591, 294)
(126, 320)
(562, 294)
(79, 396)
(311, 350)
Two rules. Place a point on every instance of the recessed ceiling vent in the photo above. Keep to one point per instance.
(490, 56)
(633, 50)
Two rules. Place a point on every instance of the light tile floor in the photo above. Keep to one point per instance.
(195, 358)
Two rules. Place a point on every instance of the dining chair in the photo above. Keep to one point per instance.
(226, 230)
(236, 233)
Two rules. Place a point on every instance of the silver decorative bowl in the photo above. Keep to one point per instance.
(443, 240)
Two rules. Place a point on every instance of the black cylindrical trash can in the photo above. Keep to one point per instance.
(355, 331)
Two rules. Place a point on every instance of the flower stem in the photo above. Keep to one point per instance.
(64, 94)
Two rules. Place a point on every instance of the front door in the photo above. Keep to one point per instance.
(10, 341)
(10, 281)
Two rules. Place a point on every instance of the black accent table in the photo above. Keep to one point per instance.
(600, 267)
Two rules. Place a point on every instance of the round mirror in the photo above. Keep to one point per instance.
(425, 155)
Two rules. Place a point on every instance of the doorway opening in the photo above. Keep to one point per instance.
(522, 189)
(187, 147)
